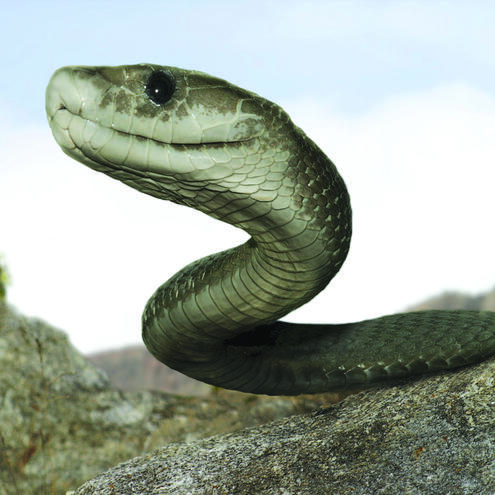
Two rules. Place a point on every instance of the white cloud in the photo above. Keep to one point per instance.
(86, 252)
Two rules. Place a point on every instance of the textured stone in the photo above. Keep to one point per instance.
(61, 422)
(432, 436)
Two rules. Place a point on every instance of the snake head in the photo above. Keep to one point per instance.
(172, 133)
(131, 115)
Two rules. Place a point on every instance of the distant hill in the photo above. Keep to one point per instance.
(458, 300)
(134, 368)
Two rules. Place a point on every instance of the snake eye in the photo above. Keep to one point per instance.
(160, 87)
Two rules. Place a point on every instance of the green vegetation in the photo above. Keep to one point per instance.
(4, 280)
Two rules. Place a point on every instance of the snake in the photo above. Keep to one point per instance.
(202, 142)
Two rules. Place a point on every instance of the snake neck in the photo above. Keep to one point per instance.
(299, 240)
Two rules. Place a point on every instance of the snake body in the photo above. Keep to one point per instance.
(200, 141)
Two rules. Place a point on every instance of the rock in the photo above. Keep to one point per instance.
(62, 422)
(432, 436)
(59, 418)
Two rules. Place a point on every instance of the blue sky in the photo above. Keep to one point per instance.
(400, 94)
(352, 52)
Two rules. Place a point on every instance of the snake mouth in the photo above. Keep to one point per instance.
(91, 96)
(102, 147)
(171, 171)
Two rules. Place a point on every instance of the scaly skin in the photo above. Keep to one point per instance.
(238, 157)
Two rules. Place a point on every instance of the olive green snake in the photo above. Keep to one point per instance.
(200, 141)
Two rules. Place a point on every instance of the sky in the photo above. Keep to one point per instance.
(399, 94)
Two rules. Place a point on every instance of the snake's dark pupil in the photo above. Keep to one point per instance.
(160, 87)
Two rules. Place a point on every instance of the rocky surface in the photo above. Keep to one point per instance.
(433, 436)
(62, 422)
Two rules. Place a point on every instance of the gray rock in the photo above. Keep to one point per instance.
(61, 422)
(55, 407)
(433, 436)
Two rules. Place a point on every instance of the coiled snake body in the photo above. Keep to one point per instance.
(199, 141)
